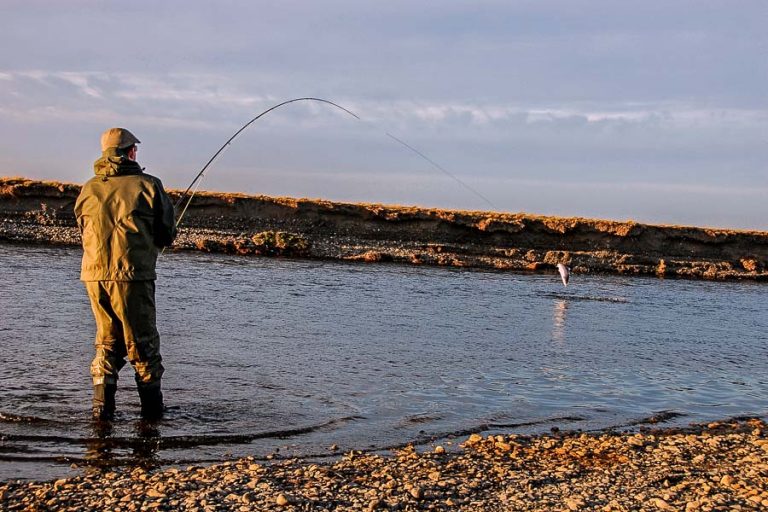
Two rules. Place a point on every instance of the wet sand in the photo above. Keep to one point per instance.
(719, 466)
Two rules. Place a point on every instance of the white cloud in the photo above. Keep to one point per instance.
(193, 91)
(82, 82)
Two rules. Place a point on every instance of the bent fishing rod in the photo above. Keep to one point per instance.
(199, 177)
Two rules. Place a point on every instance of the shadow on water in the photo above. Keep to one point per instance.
(100, 448)
(144, 447)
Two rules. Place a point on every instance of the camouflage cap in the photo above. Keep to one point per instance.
(117, 138)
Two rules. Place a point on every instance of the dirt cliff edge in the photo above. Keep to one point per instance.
(41, 212)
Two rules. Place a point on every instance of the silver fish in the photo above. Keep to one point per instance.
(565, 273)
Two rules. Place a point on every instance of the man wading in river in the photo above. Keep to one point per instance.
(125, 217)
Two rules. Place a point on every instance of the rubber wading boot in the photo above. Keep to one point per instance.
(104, 402)
(151, 403)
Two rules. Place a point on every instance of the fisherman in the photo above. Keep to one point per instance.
(125, 217)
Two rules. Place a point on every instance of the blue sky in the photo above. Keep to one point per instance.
(654, 111)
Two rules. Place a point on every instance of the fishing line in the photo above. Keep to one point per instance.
(441, 168)
(200, 175)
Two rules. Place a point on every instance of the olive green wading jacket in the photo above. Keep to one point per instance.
(125, 217)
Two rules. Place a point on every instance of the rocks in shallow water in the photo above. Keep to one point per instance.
(724, 467)
(266, 243)
(473, 440)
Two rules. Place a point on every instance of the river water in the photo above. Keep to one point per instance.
(279, 358)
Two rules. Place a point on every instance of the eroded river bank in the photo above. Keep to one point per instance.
(41, 212)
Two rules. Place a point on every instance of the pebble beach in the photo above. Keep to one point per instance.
(714, 467)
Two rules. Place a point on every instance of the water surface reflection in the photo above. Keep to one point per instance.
(268, 356)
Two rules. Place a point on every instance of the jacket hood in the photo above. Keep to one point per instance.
(112, 164)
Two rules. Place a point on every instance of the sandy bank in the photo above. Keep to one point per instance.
(721, 466)
(41, 212)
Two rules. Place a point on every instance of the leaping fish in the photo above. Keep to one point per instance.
(565, 273)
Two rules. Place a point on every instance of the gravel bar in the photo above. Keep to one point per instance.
(715, 467)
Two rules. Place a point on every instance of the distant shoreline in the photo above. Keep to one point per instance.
(41, 212)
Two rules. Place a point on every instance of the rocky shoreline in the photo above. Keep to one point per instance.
(41, 212)
(719, 466)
